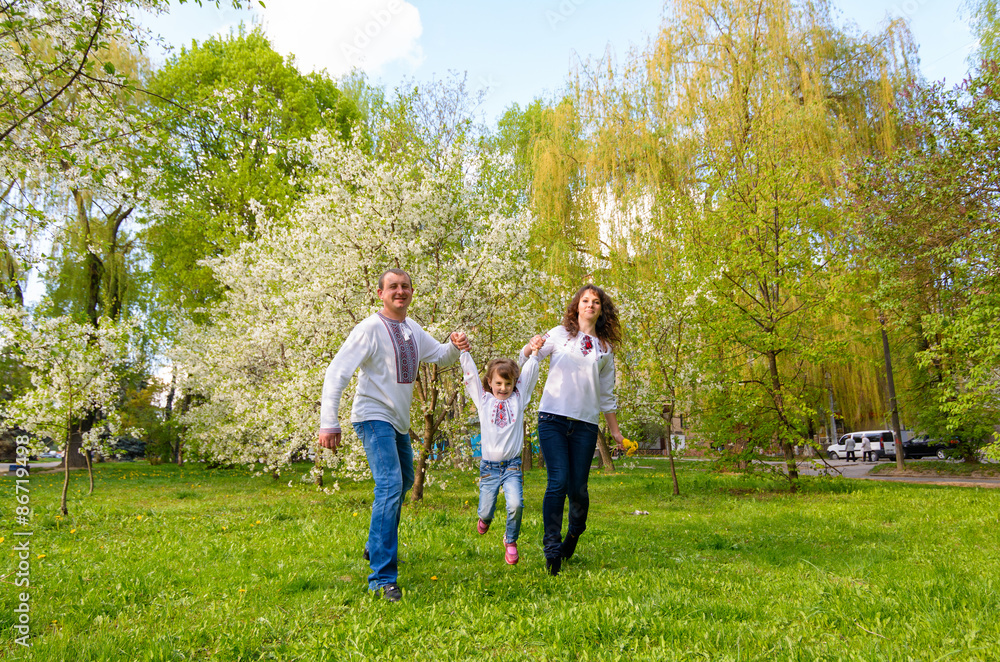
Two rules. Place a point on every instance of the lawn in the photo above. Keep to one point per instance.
(168, 563)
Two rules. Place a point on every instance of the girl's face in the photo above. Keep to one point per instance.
(501, 386)
(590, 307)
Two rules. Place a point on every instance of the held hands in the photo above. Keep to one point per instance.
(329, 440)
(461, 341)
(534, 345)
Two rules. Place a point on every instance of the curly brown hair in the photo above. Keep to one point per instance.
(506, 368)
(608, 328)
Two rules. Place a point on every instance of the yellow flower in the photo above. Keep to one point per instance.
(355, 514)
(1, 539)
(41, 556)
(434, 578)
(243, 590)
(258, 522)
(71, 531)
(138, 516)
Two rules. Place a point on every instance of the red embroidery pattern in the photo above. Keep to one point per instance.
(586, 345)
(501, 417)
(405, 347)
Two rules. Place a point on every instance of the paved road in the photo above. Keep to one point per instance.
(33, 467)
(860, 469)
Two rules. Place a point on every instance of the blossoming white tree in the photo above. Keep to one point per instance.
(294, 295)
(75, 372)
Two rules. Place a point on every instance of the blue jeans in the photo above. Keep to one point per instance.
(390, 457)
(568, 447)
(493, 476)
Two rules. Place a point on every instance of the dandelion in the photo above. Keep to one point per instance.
(243, 590)
(434, 578)
(355, 514)
(138, 517)
(258, 522)
(41, 556)
(71, 531)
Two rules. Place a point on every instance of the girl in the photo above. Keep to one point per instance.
(579, 387)
(501, 398)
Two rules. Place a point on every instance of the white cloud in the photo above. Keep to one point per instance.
(339, 35)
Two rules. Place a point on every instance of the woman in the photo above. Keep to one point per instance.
(579, 387)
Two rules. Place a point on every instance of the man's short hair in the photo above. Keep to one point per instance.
(397, 272)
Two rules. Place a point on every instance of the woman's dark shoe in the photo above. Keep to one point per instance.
(568, 546)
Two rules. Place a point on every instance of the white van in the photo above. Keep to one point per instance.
(881, 441)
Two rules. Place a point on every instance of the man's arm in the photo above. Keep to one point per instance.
(349, 358)
(431, 351)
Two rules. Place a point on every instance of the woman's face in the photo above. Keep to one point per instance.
(590, 307)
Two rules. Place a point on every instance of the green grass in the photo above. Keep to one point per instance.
(168, 563)
(939, 468)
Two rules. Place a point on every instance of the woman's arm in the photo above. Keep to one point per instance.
(612, 420)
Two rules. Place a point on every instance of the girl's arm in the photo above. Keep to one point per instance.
(470, 375)
(529, 377)
(543, 345)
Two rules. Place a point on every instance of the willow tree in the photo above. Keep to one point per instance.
(711, 161)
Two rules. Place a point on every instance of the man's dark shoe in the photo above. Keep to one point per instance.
(390, 592)
(365, 555)
(568, 546)
(553, 565)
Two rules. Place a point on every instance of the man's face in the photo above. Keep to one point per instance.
(396, 294)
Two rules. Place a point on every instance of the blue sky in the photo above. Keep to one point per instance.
(518, 49)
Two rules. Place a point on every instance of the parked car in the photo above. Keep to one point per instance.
(924, 446)
(881, 441)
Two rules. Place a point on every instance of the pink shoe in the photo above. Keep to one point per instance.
(511, 554)
(482, 527)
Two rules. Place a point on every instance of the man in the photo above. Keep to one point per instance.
(388, 348)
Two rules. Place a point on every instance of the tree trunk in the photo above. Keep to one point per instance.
(668, 413)
(73, 458)
(425, 451)
(526, 450)
(793, 471)
(896, 432)
(602, 445)
(65, 487)
(779, 404)
(90, 471)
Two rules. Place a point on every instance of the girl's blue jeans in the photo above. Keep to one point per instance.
(493, 476)
(390, 457)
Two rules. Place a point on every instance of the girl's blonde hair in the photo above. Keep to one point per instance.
(506, 368)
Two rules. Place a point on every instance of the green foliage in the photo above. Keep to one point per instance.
(229, 111)
(926, 225)
(986, 27)
(248, 569)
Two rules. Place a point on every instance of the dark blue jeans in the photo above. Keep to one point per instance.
(568, 447)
